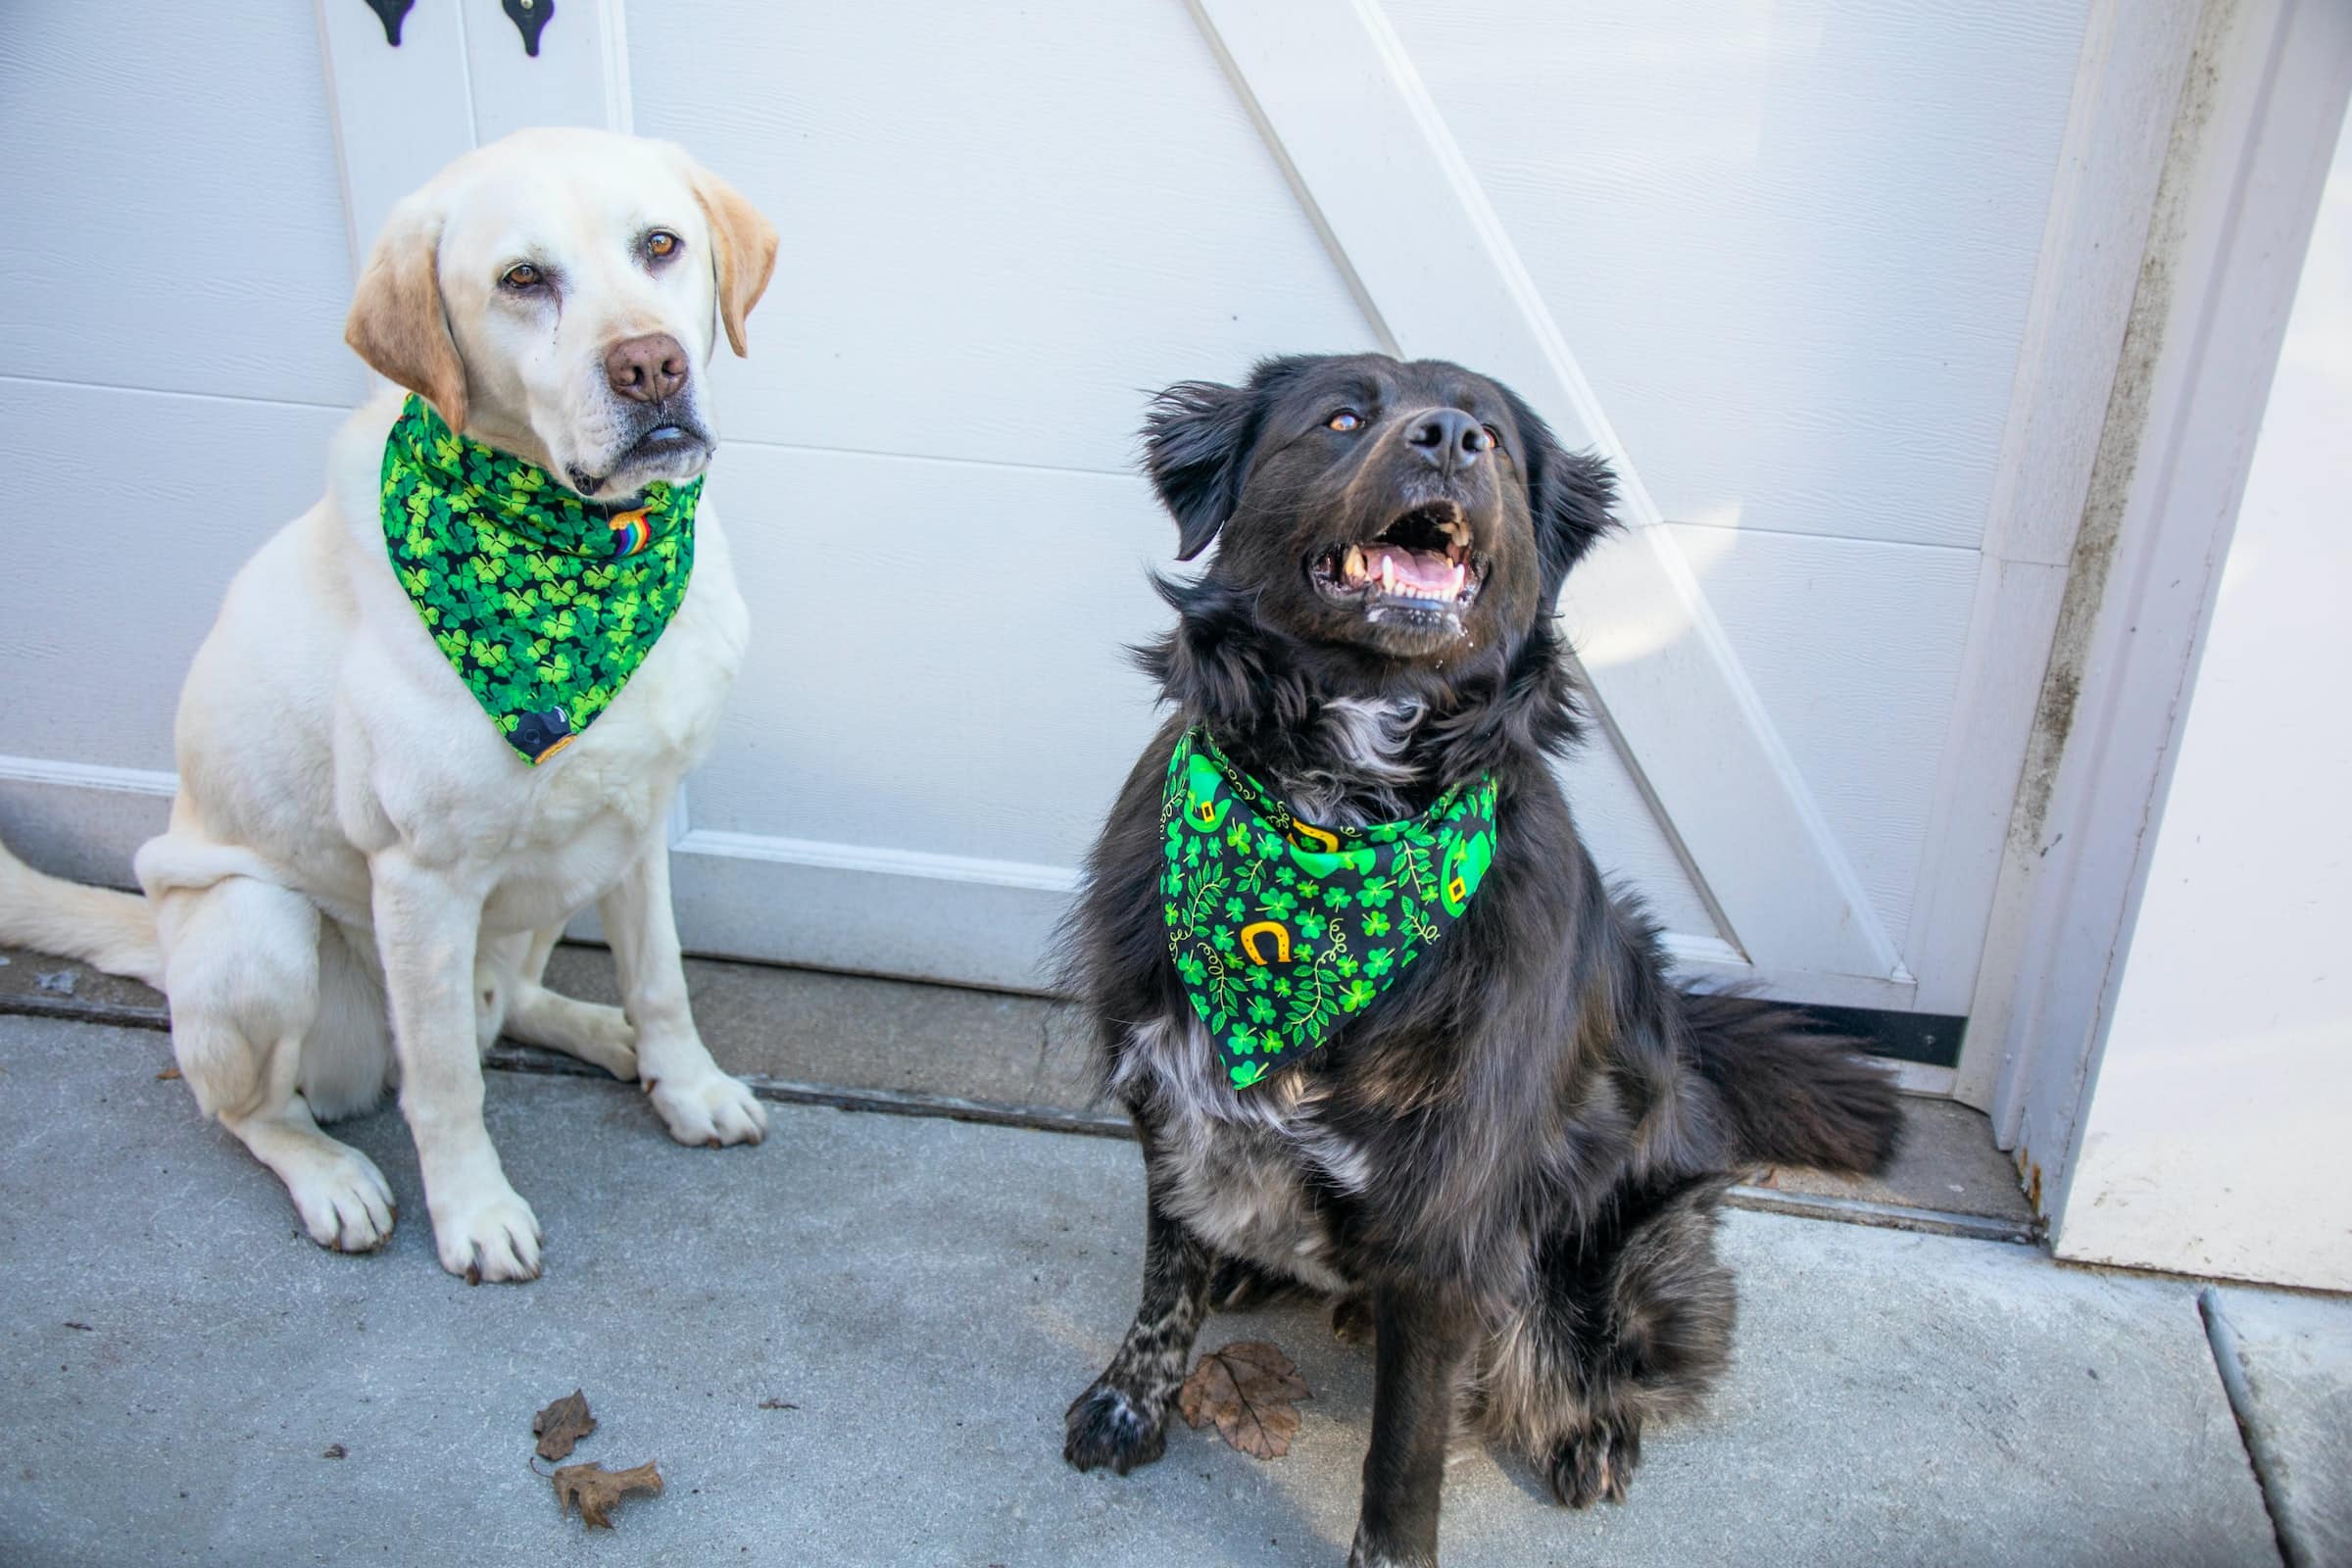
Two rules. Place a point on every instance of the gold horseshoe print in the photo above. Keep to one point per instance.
(1282, 942)
(1329, 840)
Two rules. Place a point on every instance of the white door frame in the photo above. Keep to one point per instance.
(2249, 154)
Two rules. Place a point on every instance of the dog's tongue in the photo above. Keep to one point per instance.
(1423, 570)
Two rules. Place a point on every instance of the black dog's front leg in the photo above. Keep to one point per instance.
(1421, 1341)
(1121, 1419)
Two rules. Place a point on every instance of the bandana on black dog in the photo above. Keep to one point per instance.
(1280, 929)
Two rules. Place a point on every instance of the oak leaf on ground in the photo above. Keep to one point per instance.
(563, 1424)
(1247, 1389)
(594, 1489)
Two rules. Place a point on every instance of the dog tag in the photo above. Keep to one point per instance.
(530, 19)
(391, 13)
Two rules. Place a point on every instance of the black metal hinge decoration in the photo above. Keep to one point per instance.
(391, 13)
(530, 20)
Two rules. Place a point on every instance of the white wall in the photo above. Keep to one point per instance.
(2217, 1138)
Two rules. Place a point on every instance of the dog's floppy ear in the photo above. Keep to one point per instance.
(742, 247)
(396, 321)
(1196, 442)
(1568, 495)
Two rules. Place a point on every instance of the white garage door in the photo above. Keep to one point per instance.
(1777, 259)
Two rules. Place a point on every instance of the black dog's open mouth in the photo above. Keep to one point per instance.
(1419, 568)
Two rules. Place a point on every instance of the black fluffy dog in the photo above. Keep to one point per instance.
(1512, 1155)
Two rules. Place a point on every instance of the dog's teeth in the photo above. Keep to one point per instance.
(1388, 574)
(1460, 572)
(1354, 566)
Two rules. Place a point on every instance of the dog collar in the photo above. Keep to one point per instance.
(543, 605)
(1281, 930)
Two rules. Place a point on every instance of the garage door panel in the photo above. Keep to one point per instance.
(1000, 230)
(109, 601)
(1629, 844)
(211, 257)
(1855, 649)
(1791, 243)
(936, 652)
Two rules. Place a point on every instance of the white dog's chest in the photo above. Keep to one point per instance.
(429, 771)
(585, 813)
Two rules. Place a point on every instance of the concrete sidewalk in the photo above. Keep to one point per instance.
(929, 1295)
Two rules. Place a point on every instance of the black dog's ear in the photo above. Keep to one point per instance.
(1196, 442)
(1568, 494)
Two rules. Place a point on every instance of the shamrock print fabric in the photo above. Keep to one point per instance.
(544, 605)
(1280, 930)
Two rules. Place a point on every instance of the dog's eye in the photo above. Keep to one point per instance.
(523, 276)
(1494, 436)
(660, 245)
(1346, 421)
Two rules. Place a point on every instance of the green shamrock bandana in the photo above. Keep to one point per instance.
(1280, 930)
(543, 604)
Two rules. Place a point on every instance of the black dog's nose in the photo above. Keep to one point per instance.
(1448, 438)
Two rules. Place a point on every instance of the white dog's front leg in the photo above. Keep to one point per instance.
(425, 929)
(698, 1103)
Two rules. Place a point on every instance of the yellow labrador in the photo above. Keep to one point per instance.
(363, 879)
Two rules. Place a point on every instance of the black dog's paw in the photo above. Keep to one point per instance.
(1106, 1428)
(1594, 1463)
(1370, 1553)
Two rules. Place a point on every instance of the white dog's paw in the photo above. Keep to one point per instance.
(486, 1235)
(597, 1035)
(343, 1200)
(709, 1108)
(607, 1041)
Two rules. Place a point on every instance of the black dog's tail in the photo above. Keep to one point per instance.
(1793, 1093)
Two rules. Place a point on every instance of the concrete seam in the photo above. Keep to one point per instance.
(2229, 1361)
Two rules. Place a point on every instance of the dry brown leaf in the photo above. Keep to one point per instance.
(1245, 1389)
(167, 1075)
(563, 1424)
(594, 1489)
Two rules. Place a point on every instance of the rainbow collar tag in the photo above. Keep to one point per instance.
(543, 605)
(1280, 930)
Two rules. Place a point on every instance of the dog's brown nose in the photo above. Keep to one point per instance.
(645, 370)
(1448, 438)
